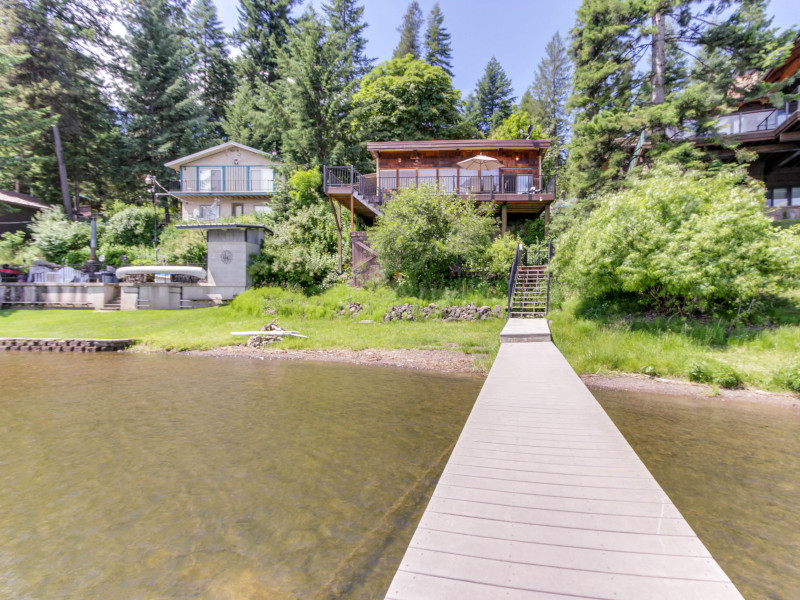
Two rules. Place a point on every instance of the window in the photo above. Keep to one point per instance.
(237, 210)
(261, 179)
(210, 179)
(795, 200)
(780, 196)
(262, 210)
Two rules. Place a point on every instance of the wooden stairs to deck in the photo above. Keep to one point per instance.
(529, 297)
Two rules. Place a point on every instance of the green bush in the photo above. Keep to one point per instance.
(183, 245)
(55, 236)
(16, 249)
(500, 256)
(699, 372)
(727, 377)
(681, 240)
(422, 233)
(789, 377)
(131, 226)
(77, 257)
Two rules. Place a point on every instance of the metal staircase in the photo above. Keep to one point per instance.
(529, 285)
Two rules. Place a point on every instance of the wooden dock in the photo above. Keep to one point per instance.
(543, 498)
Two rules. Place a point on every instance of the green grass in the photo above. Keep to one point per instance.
(315, 316)
(602, 340)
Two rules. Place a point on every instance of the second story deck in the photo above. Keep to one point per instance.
(516, 186)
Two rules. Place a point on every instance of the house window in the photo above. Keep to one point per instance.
(780, 196)
(262, 210)
(261, 179)
(237, 210)
(795, 200)
(210, 179)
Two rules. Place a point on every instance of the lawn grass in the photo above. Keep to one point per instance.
(606, 342)
(319, 317)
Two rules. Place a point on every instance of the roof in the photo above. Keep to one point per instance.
(476, 145)
(22, 200)
(184, 159)
(789, 67)
(224, 226)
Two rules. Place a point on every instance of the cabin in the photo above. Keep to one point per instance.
(17, 210)
(515, 186)
(773, 132)
(228, 180)
(511, 180)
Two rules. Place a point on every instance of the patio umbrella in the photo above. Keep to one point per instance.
(481, 163)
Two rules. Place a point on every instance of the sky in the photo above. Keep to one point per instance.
(515, 32)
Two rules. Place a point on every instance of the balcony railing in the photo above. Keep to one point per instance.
(228, 179)
(373, 188)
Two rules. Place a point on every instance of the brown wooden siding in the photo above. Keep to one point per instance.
(511, 159)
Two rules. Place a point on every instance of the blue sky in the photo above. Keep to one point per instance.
(513, 31)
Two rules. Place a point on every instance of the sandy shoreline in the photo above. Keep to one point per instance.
(451, 361)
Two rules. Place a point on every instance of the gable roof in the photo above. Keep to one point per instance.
(22, 200)
(184, 159)
(475, 145)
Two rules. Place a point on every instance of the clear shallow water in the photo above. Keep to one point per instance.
(152, 476)
(733, 470)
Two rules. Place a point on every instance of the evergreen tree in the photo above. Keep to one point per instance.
(345, 18)
(616, 98)
(246, 120)
(58, 73)
(409, 32)
(263, 29)
(494, 96)
(20, 126)
(313, 94)
(546, 99)
(163, 118)
(437, 42)
(213, 68)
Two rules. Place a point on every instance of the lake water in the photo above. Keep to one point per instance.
(156, 476)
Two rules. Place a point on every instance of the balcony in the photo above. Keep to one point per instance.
(241, 180)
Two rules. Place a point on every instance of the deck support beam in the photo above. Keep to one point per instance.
(503, 218)
(546, 220)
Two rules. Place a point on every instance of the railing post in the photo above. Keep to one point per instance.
(352, 181)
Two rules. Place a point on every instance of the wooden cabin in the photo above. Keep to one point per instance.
(516, 187)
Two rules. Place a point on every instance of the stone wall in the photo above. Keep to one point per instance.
(65, 345)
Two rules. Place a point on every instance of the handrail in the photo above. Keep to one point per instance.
(549, 262)
(512, 278)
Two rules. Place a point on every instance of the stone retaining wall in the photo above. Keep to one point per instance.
(63, 345)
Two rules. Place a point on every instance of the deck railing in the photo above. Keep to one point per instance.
(224, 179)
(374, 187)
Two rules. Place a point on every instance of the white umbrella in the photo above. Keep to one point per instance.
(481, 163)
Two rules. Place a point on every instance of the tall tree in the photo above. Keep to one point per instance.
(546, 98)
(213, 67)
(437, 42)
(620, 95)
(409, 32)
(313, 94)
(20, 126)
(346, 18)
(494, 95)
(163, 118)
(60, 40)
(407, 99)
(263, 29)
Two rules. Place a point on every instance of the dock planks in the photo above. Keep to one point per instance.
(543, 497)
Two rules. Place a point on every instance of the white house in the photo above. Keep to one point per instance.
(228, 180)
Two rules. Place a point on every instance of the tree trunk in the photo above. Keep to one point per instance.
(658, 57)
(62, 171)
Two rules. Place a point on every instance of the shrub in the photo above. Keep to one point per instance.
(423, 232)
(183, 245)
(55, 236)
(16, 249)
(789, 377)
(131, 226)
(500, 256)
(699, 372)
(691, 241)
(727, 377)
(77, 257)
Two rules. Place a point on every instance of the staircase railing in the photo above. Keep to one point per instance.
(519, 259)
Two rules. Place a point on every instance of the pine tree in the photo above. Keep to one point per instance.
(437, 42)
(163, 118)
(263, 29)
(313, 94)
(546, 99)
(59, 75)
(345, 18)
(213, 68)
(409, 32)
(616, 99)
(494, 96)
(20, 126)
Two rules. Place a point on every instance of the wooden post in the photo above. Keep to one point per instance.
(339, 233)
(352, 228)
(546, 220)
(503, 218)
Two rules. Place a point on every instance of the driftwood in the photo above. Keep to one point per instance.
(269, 334)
